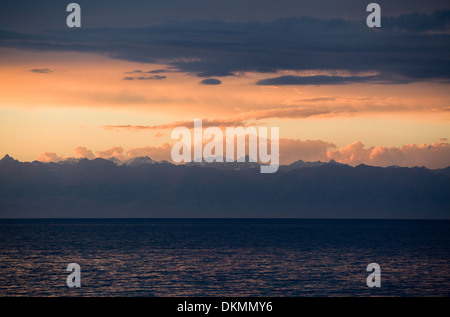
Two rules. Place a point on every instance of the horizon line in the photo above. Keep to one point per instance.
(113, 160)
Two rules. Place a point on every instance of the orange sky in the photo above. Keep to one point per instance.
(71, 105)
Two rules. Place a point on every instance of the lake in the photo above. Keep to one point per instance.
(224, 257)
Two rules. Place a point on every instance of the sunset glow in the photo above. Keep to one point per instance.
(54, 102)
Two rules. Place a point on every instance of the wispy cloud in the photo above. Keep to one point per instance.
(244, 119)
(116, 98)
(154, 71)
(331, 80)
(285, 112)
(156, 77)
(41, 70)
(188, 124)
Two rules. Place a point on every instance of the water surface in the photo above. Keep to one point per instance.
(224, 257)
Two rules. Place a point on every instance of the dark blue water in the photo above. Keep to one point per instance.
(233, 257)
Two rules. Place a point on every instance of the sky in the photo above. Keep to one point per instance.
(117, 86)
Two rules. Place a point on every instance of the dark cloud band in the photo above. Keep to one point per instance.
(405, 49)
(40, 70)
(210, 81)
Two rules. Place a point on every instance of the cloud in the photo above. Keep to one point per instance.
(137, 71)
(210, 81)
(157, 153)
(435, 155)
(410, 48)
(221, 123)
(313, 107)
(438, 20)
(157, 71)
(292, 150)
(49, 157)
(154, 71)
(352, 154)
(82, 152)
(284, 112)
(156, 77)
(117, 98)
(41, 70)
(319, 99)
(330, 80)
(244, 119)
(115, 151)
(44, 15)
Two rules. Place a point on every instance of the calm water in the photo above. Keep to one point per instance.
(224, 257)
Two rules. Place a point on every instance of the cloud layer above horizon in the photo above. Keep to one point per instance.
(433, 156)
